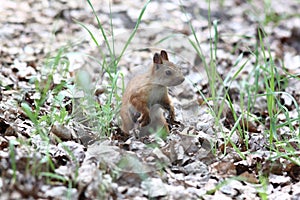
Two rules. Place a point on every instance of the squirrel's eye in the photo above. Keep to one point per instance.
(168, 72)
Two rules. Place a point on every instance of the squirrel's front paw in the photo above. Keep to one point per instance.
(136, 116)
(144, 120)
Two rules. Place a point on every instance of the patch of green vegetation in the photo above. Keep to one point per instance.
(45, 89)
(106, 112)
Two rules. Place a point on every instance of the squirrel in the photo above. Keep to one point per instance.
(146, 95)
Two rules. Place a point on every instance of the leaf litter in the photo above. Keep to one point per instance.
(201, 158)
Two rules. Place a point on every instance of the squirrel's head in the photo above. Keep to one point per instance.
(164, 72)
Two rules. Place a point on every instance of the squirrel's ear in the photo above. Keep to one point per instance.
(157, 58)
(164, 55)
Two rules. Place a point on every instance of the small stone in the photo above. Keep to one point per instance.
(28, 50)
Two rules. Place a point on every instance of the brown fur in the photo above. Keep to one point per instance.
(147, 94)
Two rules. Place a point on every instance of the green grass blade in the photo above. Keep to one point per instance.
(134, 31)
(88, 30)
(101, 28)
